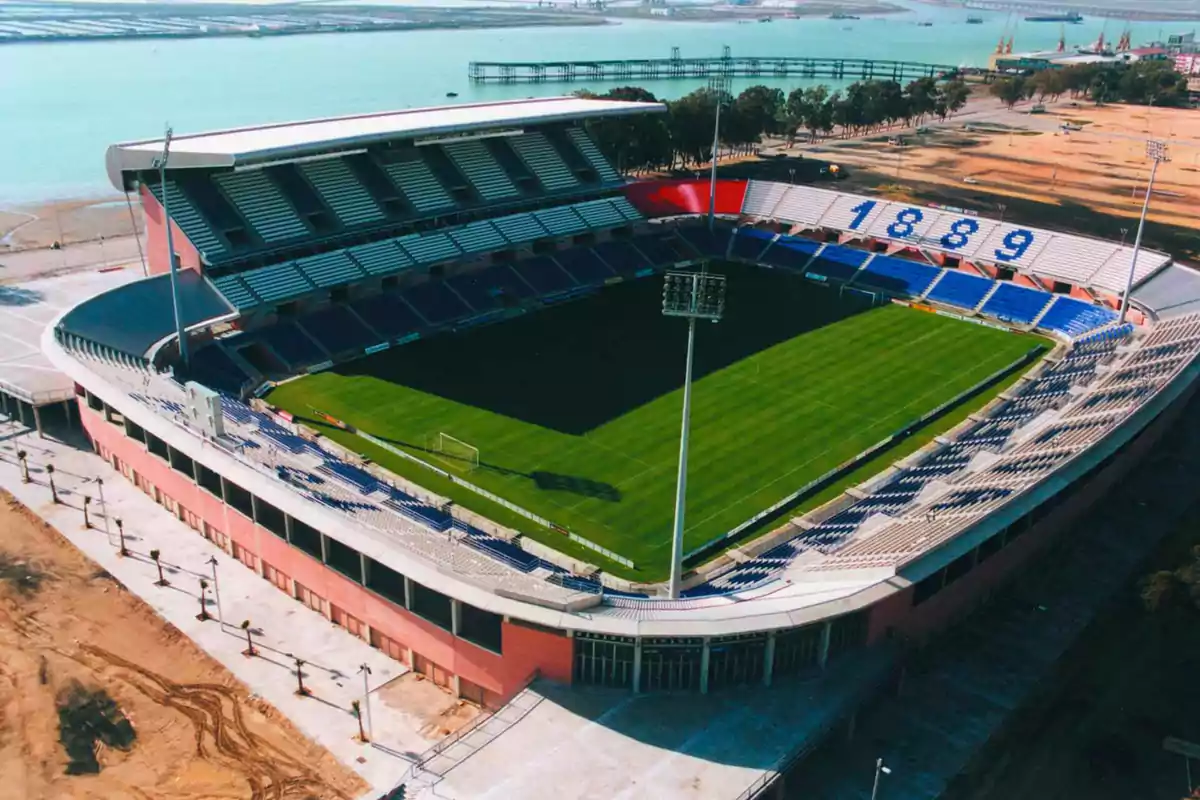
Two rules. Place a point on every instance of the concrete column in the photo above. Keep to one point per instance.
(823, 648)
(67, 410)
(21, 411)
(4, 404)
(769, 658)
(455, 686)
(455, 616)
(253, 503)
(287, 528)
(637, 665)
(324, 548)
(407, 593)
(37, 421)
(364, 568)
(704, 656)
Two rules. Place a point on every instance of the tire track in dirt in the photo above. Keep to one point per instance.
(221, 733)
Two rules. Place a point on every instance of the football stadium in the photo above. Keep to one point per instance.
(414, 369)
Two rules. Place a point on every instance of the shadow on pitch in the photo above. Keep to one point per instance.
(575, 367)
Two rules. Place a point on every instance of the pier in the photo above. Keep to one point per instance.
(677, 67)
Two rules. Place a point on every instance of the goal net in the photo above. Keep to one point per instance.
(454, 452)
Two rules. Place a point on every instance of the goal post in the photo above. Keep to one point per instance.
(454, 452)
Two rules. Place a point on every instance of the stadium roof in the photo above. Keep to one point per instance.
(296, 139)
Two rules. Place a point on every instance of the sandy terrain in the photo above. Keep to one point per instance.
(87, 666)
(1101, 167)
(66, 222)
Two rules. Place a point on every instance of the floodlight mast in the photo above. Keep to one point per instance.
(161, 163)
(1156, 151)
(719, 86)
(695, 296)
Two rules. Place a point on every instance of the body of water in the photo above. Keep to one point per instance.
(62, 104)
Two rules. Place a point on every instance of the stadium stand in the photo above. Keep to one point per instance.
(595, 266)
(415, 180)
(749, 244)
(277, 282)
(591, 153)
(897, 275)
(561, 221)
(435, 302)
(1073, 318)
(338, 330)
(291, 344)
(213, 366)
(1015, 303)
(957, 288)
(380, 258)
(544, 274)
(547, 165)
(387, 314)
(189, 220)
(342, 192)
(429, 248)
(481, 168)
(791, 253)
(263, 205)
(706, 244)
(490, 288)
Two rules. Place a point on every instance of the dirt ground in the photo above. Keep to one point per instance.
(1103, 166)
(66, 222)
(87, 667)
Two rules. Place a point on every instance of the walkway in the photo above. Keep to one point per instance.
(281, 626)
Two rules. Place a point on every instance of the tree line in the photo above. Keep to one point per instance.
(682, 137)
(1149, 83)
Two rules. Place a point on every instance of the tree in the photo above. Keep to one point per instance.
(955, 94)
(922, 97)
(1010, 91)
(634, 142)
(760, 107)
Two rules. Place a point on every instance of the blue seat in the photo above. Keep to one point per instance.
(544, 274)
(292, 345)
(959, 289)
(790, 253)
(1075, 318)
(435, 302)
(388, 314)
(338, 330)
(897, 275)
(591, 268)
(1015, 303)
(214, 367)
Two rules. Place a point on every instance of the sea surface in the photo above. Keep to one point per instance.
(63, 104)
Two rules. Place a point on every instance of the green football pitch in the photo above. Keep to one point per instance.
(574, 410)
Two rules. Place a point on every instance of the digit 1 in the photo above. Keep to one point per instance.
(861, 211)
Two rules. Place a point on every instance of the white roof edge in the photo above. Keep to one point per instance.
(226, 148)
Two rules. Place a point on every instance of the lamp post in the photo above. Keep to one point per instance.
(1156, 151)
(694, 295)
(880, 769)
(719, 86)
(161, 164)
(1002, 208)
(217, 590)
(366, 673)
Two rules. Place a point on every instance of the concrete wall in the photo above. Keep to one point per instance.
(156, 238)
(670, 198)
(525, 650)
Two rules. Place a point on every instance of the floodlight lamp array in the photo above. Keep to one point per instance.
(698, 295)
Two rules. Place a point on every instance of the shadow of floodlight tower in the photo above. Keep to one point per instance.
(694, 295)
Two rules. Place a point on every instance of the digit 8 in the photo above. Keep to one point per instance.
(902, 228)
(960, 234)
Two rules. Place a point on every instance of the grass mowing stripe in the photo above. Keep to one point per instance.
(575, 409)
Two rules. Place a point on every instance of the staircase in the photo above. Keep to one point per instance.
(986, 297)
(863, 266)
(1038, 319)
(932, 284)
